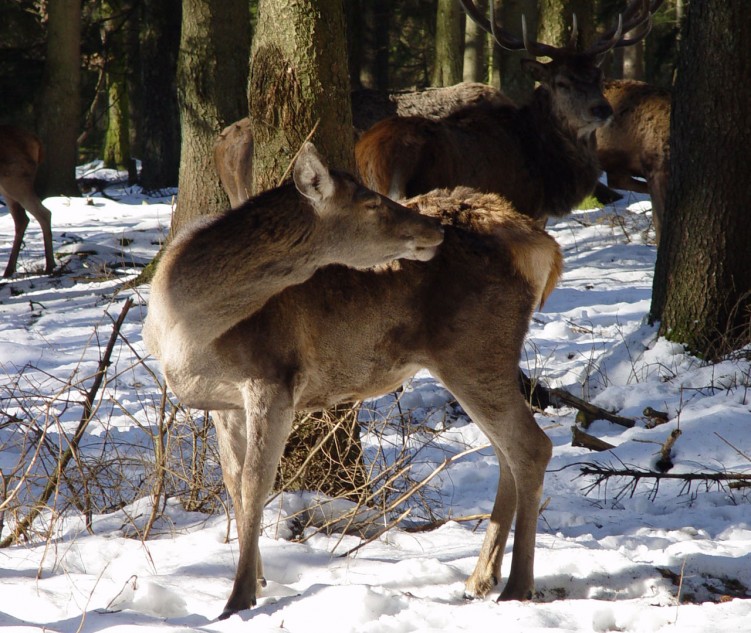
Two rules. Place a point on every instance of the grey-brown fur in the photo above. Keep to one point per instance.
(335, 333)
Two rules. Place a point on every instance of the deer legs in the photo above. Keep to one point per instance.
(523, 452)
(251, 443)
(20, 221)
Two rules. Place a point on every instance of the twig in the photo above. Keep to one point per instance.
(294, 158)
(605, 472)
(69, 453)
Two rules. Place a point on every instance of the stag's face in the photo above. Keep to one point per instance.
(576, 91)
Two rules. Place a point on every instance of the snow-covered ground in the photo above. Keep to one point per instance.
(621, 555)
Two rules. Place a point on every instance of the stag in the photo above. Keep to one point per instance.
(636, 144)
(21, 153)
(541, 156)
(233, 148)
(249, 318)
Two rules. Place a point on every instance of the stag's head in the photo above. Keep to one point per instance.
(359, 227)
(573, 77)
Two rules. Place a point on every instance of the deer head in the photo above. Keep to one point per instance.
(573, 76)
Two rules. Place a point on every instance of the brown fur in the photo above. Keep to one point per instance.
(540, 156)
(637, 142)
(337, 334)
(233, 159)
(21, 153)
(233, 148)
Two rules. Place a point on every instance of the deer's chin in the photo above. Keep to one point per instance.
(422, 253)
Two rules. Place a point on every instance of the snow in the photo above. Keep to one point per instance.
(610, 556)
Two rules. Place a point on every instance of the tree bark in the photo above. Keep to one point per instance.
(116, 150)
(509, 76)
(449, 41)
(702, 283)
(556, 18)
(212, 73)
(59, 108)
(299, 82)
(160, 121)
(475, 48)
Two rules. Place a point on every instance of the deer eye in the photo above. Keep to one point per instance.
(562, 85)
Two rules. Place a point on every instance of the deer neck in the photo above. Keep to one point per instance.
(227, 271)
(566, 160)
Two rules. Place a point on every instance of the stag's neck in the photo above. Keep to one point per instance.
(565, 158)
(227, 269)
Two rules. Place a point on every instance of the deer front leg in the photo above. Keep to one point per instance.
(268, 418)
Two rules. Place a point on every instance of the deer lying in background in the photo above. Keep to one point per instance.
(233, 148)
(636, 144)
(249, 318)
(20, 154)
(541, 156)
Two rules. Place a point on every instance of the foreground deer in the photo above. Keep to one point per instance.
(636, 144)
(233, 148)
(540, 156)
(248, 318)
(20, 155)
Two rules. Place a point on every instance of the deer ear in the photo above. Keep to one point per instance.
(311, 175)
(537, 70)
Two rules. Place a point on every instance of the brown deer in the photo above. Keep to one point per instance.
(249, 318)
(21, 153)
(541, 156)
(233, 148)
(636, 143)
(233, 159)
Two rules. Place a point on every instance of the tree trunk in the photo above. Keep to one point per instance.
(375, 20)
(60, 102)
(160, 123)
(556, 18)
(475, 47)
(702, 284)
(116, 150)
(512, 80)
(449, 39)
(299, 81)
(212, 73)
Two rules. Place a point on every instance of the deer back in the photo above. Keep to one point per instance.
(347, 334)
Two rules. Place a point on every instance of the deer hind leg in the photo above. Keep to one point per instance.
(251, 445)
(20, 222)
(523, 452)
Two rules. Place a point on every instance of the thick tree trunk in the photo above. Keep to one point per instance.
(299, 82)
(59, 109)
(702, 285)
(449, 41)
(212, 73)
(556, 18)
(160, 123)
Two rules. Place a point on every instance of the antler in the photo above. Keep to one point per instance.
(503, 38)
(636, 19)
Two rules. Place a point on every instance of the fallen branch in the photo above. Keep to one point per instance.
(539, 396)
(88, 408)
(585, 440)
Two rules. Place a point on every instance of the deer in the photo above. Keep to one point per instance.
(636, 143)
(541, 155)
(233, 148)
(322, 291)
(21, 152)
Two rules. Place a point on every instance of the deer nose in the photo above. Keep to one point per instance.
(602, 111)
